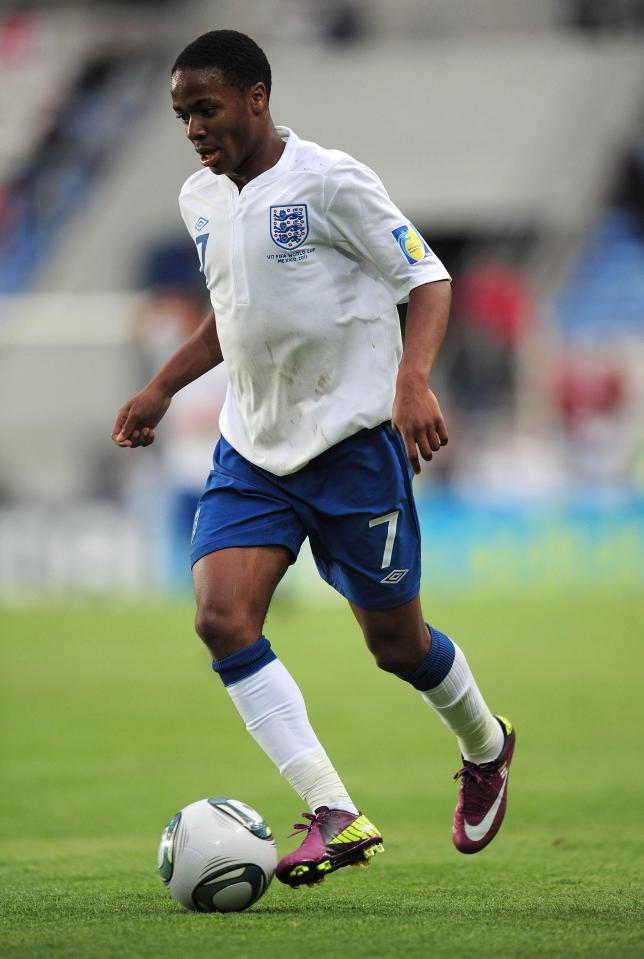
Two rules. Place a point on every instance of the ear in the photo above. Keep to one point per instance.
(258, 98)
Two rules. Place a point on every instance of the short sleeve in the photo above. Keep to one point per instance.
(186, 208)
(365, 223)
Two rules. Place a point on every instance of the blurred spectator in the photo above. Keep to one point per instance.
(591, 395)
(600, 15)
(492, 310)
(630, 188)
(342, 22)
(19, 30)
(587, 387)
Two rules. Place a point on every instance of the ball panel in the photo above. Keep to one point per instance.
(230, 890)
(245, 815)
(234, 898)
(165, 855)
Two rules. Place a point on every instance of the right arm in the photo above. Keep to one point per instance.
(136, 420)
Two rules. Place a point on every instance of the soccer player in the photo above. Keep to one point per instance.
(325, 421)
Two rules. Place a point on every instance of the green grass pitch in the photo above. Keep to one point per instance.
(112, 720)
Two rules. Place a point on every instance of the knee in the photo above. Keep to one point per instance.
(397, 654)
(386, 661)
(390, 661)
(225, 630)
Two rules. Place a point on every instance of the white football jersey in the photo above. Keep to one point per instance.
(305, 267)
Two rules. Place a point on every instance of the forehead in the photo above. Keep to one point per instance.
(209, 83)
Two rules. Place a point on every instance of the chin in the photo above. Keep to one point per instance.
(220, 168)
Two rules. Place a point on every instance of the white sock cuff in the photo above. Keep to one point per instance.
(454, 686)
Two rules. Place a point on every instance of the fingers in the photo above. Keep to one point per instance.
(138, 438)
(422, 442)
(410, 447)
(434, 439)
(121, 417)
(124, 424)
(417, 418)
(128, 427)
(413, 459)
(425, 446)
(127, 431)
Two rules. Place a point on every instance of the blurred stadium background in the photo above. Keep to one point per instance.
(511, 132)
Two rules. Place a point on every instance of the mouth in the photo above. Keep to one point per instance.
(209, 155)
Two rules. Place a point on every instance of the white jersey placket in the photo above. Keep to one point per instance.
(238, 260)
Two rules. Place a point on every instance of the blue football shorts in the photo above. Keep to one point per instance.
(354, 502)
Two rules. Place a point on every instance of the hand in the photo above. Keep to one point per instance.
(135, 421)
(417, 417)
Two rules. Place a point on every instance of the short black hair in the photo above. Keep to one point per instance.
(240, 60)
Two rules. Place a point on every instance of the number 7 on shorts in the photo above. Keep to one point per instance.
(392, 522)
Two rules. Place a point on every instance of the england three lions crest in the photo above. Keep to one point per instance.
(289, 225)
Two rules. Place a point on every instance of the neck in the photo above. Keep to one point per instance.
(262, 158)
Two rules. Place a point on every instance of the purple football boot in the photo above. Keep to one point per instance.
(334, 839)
(483, 796)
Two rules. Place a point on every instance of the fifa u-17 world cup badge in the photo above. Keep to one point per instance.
(411, 243)
(289, 225)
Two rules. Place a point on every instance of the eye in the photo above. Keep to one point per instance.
(209, 111)
(182, 117)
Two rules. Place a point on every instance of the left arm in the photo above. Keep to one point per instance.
(416, 414)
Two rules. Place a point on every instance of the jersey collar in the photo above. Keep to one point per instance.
(284, 163)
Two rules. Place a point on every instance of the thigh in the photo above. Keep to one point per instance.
(366, 539)
(233, 589)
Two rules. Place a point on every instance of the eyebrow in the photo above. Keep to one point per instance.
(203, 101)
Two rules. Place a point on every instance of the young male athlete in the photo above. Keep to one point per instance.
(306, 257)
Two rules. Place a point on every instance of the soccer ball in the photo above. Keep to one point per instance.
(217, 855)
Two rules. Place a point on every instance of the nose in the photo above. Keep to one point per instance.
(195, 129)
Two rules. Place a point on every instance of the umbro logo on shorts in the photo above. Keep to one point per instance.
(395, 576)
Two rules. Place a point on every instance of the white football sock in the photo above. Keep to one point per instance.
(459, 703)
(272, 706)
